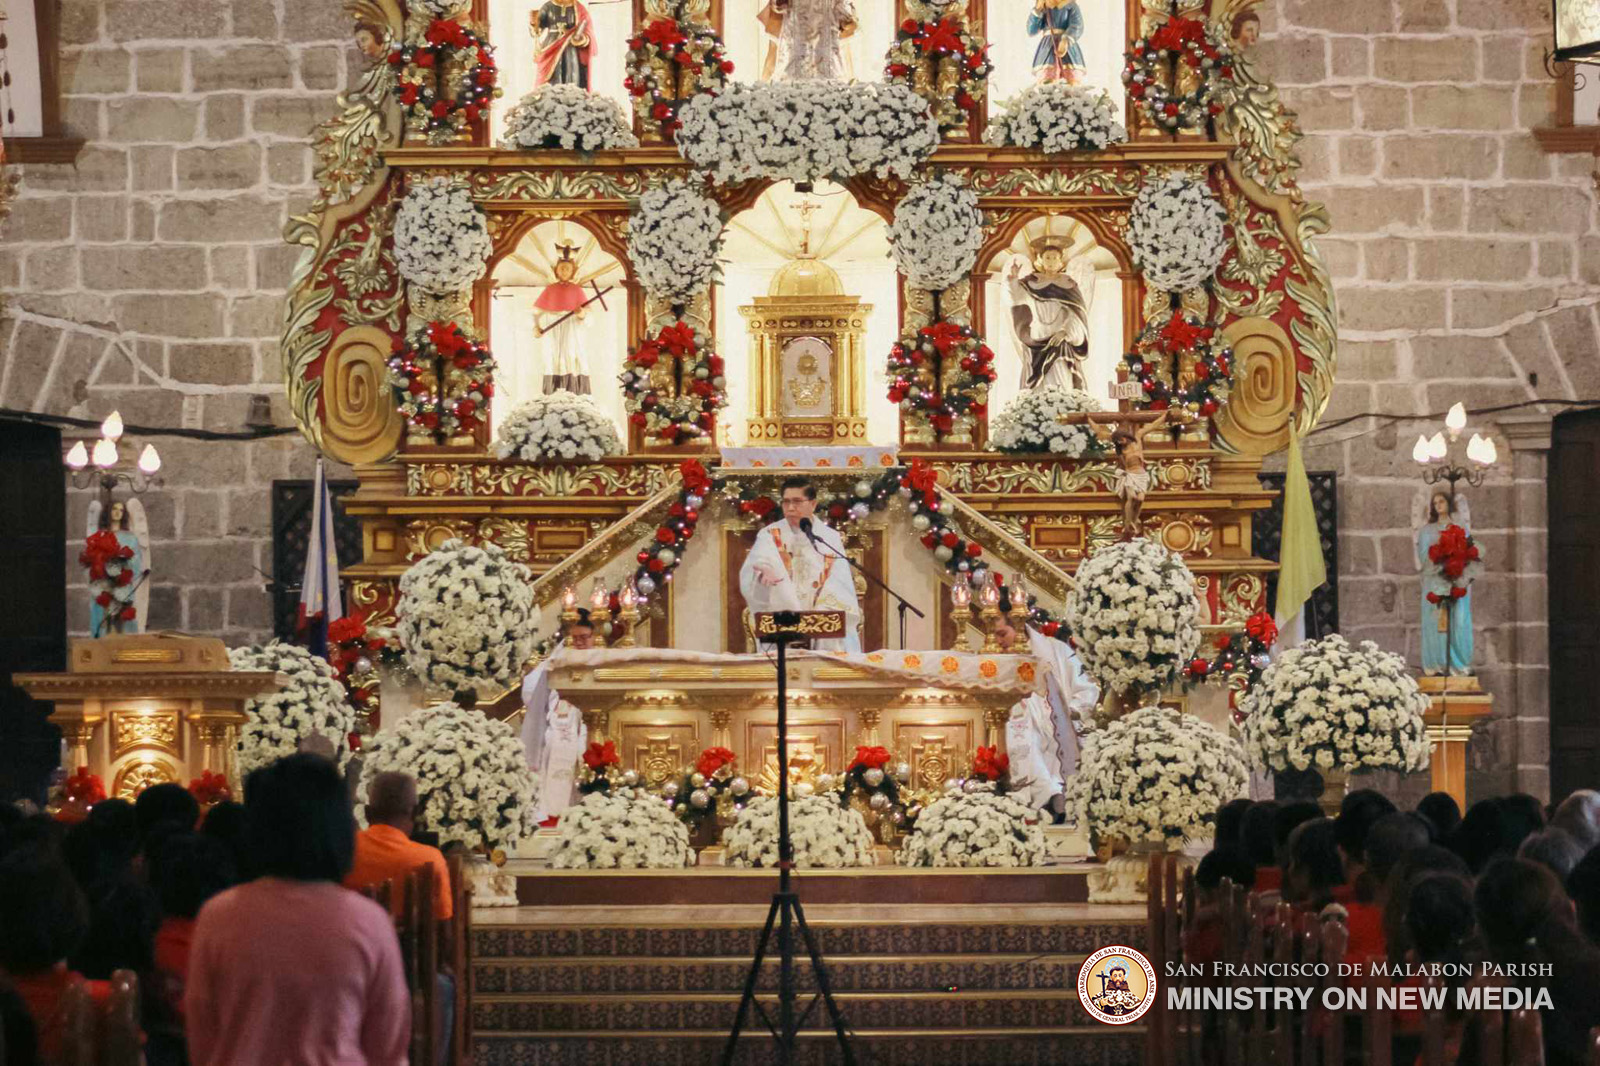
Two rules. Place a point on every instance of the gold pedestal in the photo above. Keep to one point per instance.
(146, 709)
(1456, 703)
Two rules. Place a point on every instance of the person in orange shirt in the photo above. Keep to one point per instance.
(385, 850)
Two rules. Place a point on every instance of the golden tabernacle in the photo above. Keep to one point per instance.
(145, 709)
(662, 707)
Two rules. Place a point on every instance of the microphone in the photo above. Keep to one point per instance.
(805, 527)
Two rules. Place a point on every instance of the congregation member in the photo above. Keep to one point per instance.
(293, 967)
(1442, 812)
(385, 850)
(1259, 843)
(186, 870)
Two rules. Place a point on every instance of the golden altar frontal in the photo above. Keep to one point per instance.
(146, 709)
(662, 707)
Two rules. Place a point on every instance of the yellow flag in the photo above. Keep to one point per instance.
(1300, 567)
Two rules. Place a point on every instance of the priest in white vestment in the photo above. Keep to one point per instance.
(785, 571)
(1041, 740)
(553, 733)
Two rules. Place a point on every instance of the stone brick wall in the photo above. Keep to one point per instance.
(153, 272)
(1467, 263)
(1468, 268)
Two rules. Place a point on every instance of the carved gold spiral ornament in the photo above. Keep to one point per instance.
(1255, 420)
(360, 422)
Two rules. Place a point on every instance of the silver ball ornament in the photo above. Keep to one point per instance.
(942, 553)
(363, 665)
(669, 789)
(873, 776)
(804, 788)
(859, 511)
(971, 785)
(951, 784)
(921, 522)
(739, 786)
(646, 585)
(630, 777)
(667, 556)
(902, 771)
(694, 501)
(863, 489)
(878, 801)
(699, 799)
(825, 782)
(697, 779)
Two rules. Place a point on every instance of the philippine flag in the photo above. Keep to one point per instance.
(320, 599)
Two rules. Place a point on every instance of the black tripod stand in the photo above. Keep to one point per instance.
(785, 911)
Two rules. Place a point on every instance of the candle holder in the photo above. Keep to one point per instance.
(628, 616)
(989, 596)
(961, 613)
(600, 611)
(569, 613)
(1019, 606)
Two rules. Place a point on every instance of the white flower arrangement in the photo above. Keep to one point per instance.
(806, 130)
(441, 238)
(473, 782)
(1156, 774)
(312, 701)
(438, 8)
(1057, 117)
(825, 834)
(1326, 705)
(977, 828)
(466, 618)
(1176, 232)
(674, 238)
(936, 232)
(557, 428)
(1134, 616)
(1032, 423)
(625, 829)
(570, 117)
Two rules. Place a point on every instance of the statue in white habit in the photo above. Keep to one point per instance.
(1050, 314)
(806, 39)
(787, 570)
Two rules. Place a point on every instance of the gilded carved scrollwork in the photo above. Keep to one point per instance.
(360, 422)
(1255, 420)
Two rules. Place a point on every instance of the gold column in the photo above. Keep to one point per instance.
(596, 722)
(78, 732)
(994, 720)
(869, 727)
(217, 732)
(720, 736)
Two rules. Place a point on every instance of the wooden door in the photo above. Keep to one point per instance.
(1574, 573)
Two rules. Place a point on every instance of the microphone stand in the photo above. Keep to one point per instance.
(902, 605)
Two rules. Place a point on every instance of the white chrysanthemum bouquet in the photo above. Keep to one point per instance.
(825, 834)
(473, 782)
(570, 117)
(1156, 774)
(441, 238)
(974, 828)
(1057, 117)
(310, 701)
(622, 829)
(674, 238)
(1134, 616)
(1032, 423)
(466, 618)
(560, 427)
(936, 232)
(1326, 705)
(1177, 232)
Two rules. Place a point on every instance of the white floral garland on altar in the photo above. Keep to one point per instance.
(466, 618)
(936, 233)
(825, 834)
(1156, 774)
(441, 238)
(1177, 232)
(1031, 423)
(1134, 616)
(674, 237)
(1057, 117)
(567, 116)
(623, 829)
(977, 828)
(473, 782)
(313, 701)
(559, 427)
(807, 130)
(1326, 705)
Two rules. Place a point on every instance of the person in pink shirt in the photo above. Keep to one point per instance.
(293, 969)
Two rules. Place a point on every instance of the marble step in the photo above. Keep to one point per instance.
(849, 973)
(713, 1012)
(1099, 1045)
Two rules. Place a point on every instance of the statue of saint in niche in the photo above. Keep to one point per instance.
(1059, 26)
(564, 36)
(1050, 314)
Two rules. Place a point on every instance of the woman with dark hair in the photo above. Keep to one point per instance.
(1397, 899)
(1485, 833)
(1314, 871)
(1357, 813)
(186, 870)
(324, 982)
(224, 823)
(1442, 812)
(1230, 823)
(1439, 929)
(1526, 918)
(1257, 840)
(45, 920)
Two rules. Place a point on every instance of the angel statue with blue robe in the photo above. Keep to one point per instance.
(127, 521)
(1059, 56)
(1446, 638)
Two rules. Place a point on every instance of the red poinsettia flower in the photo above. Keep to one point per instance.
(1261, 627)
(713, 759)
(348, 628)
(990, 764)
(210, 788)
(944, 335)
(1179, 334)
(599, 756)
(664, 34)
(922, 476)
(941, 36)
(869, 757)
(84, 787)
(677, 338)
(694, 475)
(665, 535)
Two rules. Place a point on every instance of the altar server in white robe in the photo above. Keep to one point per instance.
(1041, 740)
(553, 733)
(785, 571)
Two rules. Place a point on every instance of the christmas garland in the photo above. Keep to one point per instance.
(1155, 60)
(444, 117)
(660, 557)
(710, 787)
(925, 384)
(1240, 657)
(466, 367)
(1159, 354)
(689, 54)
(1456, 555)
(870, 775)
(353, 652)
(691, 415)
(959, 60)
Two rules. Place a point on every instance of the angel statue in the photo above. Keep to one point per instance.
(1050, 314)
(1446, 619)
(807, 38)
(126, 522)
